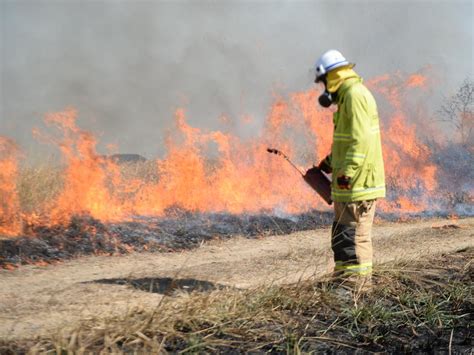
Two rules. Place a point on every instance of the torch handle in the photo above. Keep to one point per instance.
(277, 152)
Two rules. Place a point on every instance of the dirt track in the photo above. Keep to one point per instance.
(39, 300)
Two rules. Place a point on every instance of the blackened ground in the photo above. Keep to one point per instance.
(177, 230)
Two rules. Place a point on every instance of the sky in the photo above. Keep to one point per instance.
(127, 65)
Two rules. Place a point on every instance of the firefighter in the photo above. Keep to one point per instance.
(356, 164)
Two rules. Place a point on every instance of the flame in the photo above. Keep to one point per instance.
(215, 171)
(86, 176)
(10, 222)
(244, 178)
(411, 176)
(416, 80)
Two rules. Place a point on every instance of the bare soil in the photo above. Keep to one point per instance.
(41, 300)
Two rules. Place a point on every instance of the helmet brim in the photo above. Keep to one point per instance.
(319, 78)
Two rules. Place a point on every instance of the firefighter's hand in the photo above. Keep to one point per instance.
(324, 166)
(344, 182)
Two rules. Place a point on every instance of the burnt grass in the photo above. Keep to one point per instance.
(178, 230)
(417, 307)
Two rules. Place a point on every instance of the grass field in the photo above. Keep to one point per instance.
(421, 306)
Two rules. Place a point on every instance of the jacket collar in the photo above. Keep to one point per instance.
(345, 86)
(336, 77)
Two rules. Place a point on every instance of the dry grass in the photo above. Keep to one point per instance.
(422, 306)
(39, 184)
(146, 172)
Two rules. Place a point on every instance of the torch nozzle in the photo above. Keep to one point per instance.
(274, 151)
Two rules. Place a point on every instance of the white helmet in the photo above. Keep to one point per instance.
(330, 60)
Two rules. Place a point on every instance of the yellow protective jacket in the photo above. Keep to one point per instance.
(356, 150)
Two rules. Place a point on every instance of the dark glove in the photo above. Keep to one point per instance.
(344, 182)
(324, 166)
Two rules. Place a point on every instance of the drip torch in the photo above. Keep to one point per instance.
(314, 177)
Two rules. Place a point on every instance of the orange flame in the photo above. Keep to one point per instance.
(244, 178)
(10, 222)
(86, 176)
(416, 80)
(408, 165)
(241, 178)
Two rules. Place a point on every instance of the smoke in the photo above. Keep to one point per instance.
(127, 65)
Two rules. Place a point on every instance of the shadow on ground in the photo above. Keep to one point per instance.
(164, 285)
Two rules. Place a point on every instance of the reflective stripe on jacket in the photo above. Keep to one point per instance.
(357, 150)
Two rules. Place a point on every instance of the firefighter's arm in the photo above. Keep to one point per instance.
(359, 123)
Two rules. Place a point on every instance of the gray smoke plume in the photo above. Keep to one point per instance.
(126, 65)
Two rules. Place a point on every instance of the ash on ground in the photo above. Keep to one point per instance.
(179, 230)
